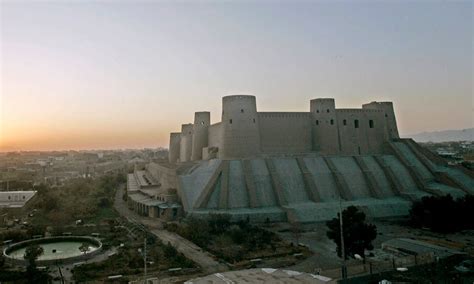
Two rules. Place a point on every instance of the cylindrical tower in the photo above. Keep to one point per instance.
(324, 126)
(202, 120)
(389, 114)
(186, 143)
(175, 141)
(240, 135)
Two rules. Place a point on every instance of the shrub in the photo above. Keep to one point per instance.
(443, 213)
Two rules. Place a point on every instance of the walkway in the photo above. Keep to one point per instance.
(184, 246)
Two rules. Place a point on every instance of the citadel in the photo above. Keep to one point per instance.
(245, 133)
(292, 166)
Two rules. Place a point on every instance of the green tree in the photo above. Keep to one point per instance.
(31, 254)
(197, 231)
(358, 235)
(218, 223)
(443, 214)
(84, 248)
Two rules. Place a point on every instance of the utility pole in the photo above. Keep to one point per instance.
(343, 251)
(143, 253)
(144, 256)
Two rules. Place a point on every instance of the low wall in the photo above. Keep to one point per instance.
(164, 175)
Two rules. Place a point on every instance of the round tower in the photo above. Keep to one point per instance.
(324, 126)
(175, 140)
(389, 116)
(202, 120)
(240, 135)
(186, 142)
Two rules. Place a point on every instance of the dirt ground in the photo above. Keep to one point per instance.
(324, 249)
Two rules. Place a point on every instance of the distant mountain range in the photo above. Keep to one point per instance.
(444, 136)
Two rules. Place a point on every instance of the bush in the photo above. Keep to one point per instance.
(237, 234)
(169, 251)
(197, 231)
(358, 235)
(104, 202)
(218, 223)
(227, 240)
(14, 235)
(443, 213)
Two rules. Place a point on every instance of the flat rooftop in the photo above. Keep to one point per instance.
(415, 247)
(261, 275)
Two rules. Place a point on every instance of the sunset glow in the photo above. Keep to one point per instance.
(124, 75)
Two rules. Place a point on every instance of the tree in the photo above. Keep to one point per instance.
(84, 248)
(32, 274)
(358, 235)
(296, 231)
(104, 202)
(31, 254)
(219, 223)
(443, 214)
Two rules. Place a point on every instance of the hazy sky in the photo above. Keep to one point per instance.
(106, 74)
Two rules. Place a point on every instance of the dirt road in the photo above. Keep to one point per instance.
(187, 248)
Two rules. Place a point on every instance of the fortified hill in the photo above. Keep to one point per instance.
(293, 166)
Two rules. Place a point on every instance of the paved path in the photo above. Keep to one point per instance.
(184, 246)
(66, 268)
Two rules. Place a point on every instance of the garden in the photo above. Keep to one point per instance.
(235, 242)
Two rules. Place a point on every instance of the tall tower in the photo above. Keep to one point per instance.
(240, 135)
(175, 141)
(389, 115)
(324, 126)
(202, 120)
(186, 143)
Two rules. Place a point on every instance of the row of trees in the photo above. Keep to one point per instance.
(443, 214)
(231, 241)
(79, 199)
(129, 261)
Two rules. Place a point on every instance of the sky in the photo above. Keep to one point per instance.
(123, 74)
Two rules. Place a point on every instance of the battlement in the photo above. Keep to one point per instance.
(245, 133)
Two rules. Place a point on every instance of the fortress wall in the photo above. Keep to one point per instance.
(238, 197)
(246, 133)
(324, 126)
(379, 176)
(215, 135)
(323, 178)
(186, 143)
(291, 180)
(283, 132)
(175, 141)
(361, 131)
(164, 175)
(263, 184)
(353, 176)
(202, 120)
(240, 131)
(389, 118)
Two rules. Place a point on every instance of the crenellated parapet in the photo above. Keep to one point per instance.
(244, 132)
